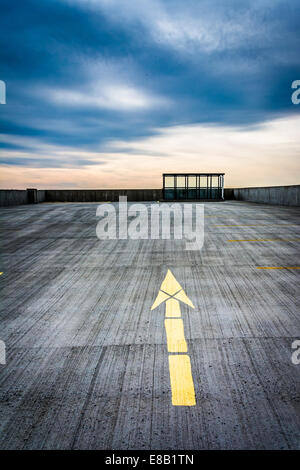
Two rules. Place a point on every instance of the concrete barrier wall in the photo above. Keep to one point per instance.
(13, 197)
(228, 193)
(280, 195)
(41, 195)
(277, 195)
(98, 195)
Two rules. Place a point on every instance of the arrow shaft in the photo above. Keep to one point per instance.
(175, 335)
(173, 308)
(181, 379)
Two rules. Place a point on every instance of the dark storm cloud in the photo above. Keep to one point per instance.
(83, 73)
(47, 162)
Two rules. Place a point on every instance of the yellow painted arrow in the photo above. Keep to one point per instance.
(182, 385)
(171, 289)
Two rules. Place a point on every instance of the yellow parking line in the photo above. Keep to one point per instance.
(172, 308)
(267, 240)
(257, 225)
(182, 385)
(277, 267)
(175, 335)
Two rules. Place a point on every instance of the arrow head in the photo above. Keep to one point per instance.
(170, 288)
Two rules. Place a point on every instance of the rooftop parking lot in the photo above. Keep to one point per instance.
(87, 359)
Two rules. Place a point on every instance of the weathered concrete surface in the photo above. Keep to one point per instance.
(228, 194)
(13, 197)
(41, 195)
(278, 195)
(98, 195)
(87, 364)
(16, 197)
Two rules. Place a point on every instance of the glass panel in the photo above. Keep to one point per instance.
(180, 182)
(214, 181)
(192, 193)
(169, 182)
(215, 193)
(192, 181)
(169, 193)
(203, 181)
(181, 194)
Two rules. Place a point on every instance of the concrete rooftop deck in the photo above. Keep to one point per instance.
(87, 359)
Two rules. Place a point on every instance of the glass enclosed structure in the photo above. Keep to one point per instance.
(185, 186)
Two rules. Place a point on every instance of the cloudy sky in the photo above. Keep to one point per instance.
(111, 93)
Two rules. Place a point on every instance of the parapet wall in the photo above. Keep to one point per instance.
(277, 195)
(99, 195)
(13, 197)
